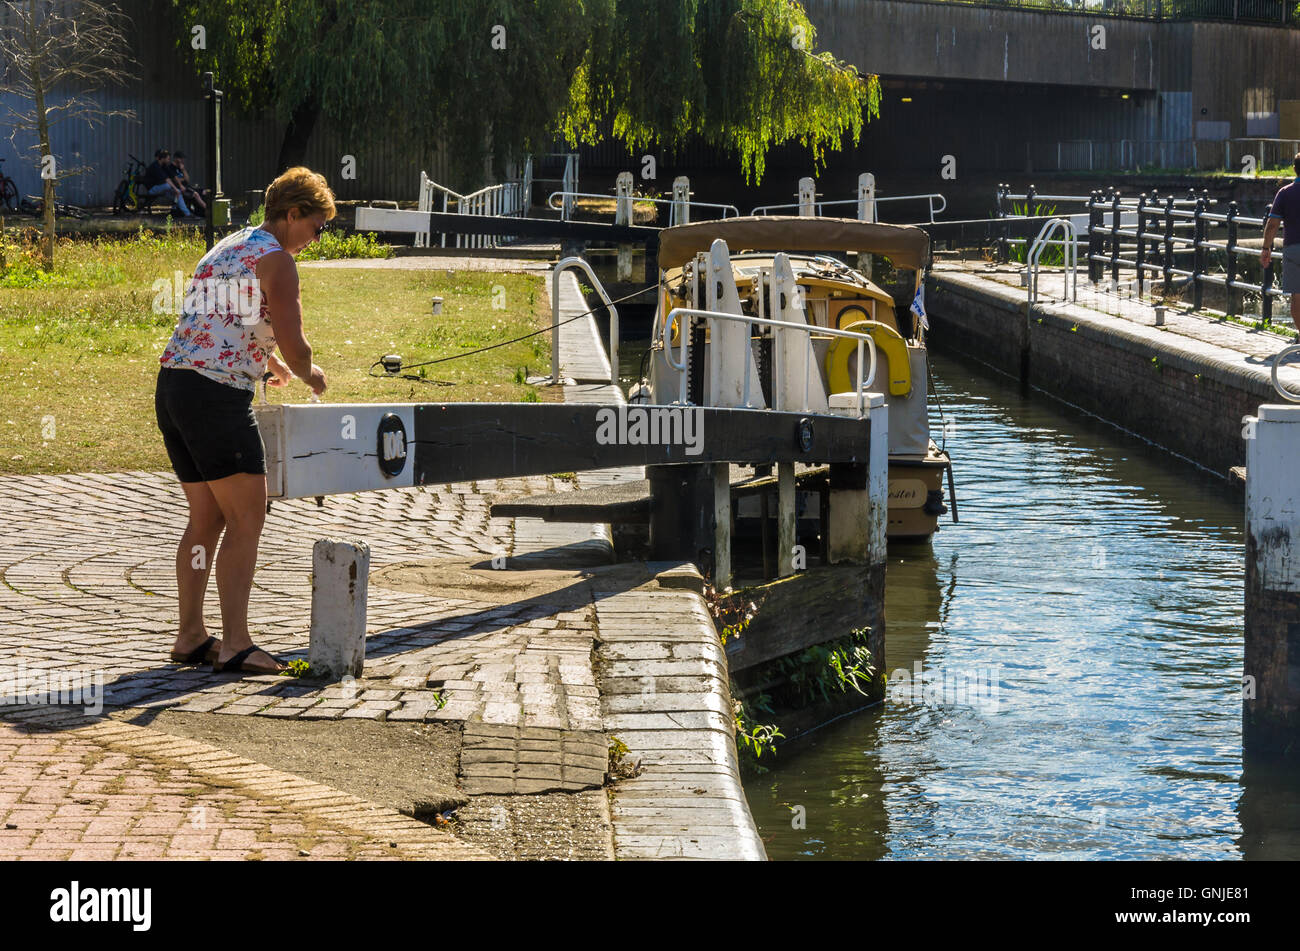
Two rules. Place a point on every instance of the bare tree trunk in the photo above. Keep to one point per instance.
(43, 132)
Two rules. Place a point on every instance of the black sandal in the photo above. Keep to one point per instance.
(197, 656)
(236, 663)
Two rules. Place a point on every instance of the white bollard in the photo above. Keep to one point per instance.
(340, 574)
(1271, 685)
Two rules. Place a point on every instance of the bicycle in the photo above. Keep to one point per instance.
(128, 199)
(34, 205)
(8, 190)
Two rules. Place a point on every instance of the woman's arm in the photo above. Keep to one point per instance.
(281, 372)
(278, 278)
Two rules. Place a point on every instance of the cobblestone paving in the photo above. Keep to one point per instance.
(74, 787)
(86, 562)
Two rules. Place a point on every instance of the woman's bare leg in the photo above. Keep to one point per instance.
(194, 555)
(242, 499)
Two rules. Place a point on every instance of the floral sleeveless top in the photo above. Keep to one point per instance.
(223, 331)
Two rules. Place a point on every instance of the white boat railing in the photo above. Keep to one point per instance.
(864, 340)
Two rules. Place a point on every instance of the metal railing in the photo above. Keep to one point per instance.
(930, 199)
(1291, 396)
(1267, 153)
(567, 197)
(561, 266)
(508, 199)
(1274, 12)
(1070, 252)
(1148, 228)
(691, 314)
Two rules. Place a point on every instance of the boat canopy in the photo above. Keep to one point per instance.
(906, 245)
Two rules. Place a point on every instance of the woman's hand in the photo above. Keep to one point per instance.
(280, 373)
(317, 380)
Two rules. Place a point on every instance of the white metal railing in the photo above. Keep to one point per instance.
(566, 197)
(1069, 243)
(930, 199)
(508, 199)
(1291, 396)
(864, 340)
(561, 266)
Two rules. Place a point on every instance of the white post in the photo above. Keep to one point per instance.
(681, 200)
(1271, 685)
(866, 212)
(623, 216)
(859, 514)
(807, 198)
(340, 573)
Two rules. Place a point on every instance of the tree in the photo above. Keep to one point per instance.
(504, 76)
(739, 74)
(55, 55)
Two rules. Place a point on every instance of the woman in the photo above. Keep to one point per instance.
(221, 348)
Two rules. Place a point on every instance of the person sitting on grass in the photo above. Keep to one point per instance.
(218, 353)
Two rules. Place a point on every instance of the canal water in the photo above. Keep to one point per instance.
(1073, 658)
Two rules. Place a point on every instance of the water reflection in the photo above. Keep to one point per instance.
(1103, 583)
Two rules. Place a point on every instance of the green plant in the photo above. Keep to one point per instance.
(754, 739)
(618, 766)
(1155, 362)
(1053, 254)
(520, 376)
(333, 245)
(530, 396)
(257, 217)
(297, 668)
(1074, 329)
(817, 673)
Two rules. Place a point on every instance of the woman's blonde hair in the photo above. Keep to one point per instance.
(299, 188)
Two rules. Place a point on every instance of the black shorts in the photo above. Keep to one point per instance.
(208, 427)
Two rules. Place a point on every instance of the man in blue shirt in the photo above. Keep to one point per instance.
(1285, 211)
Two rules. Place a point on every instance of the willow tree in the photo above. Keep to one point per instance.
(740, 74)
(499, 77)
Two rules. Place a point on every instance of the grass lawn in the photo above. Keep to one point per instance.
(79, 350)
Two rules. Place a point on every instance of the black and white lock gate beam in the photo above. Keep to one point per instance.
(323, 449)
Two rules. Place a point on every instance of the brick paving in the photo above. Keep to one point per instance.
(86, 562)
(78, 787)
(87, 590)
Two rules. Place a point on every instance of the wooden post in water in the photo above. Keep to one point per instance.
(623, 216)
(1271, 683)
(721, 525)
(785, 519)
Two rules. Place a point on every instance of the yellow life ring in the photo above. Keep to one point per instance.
(888, 341)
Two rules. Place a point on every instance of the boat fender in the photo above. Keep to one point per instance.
(887, 339)
(640, 393)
